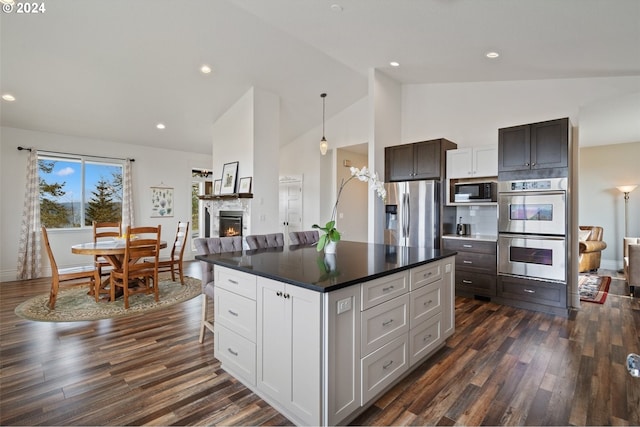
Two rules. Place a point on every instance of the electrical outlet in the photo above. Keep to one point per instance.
(344, 305)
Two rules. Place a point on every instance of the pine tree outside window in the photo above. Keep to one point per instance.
(75, 191)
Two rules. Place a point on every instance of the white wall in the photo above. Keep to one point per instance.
(249, 133)
(302, 157)
(603, 168)
(385, 101)
(152, 167)
(470, 114)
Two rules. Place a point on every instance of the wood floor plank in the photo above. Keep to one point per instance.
(502, 366)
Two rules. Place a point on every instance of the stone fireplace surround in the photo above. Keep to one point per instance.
(216, 205)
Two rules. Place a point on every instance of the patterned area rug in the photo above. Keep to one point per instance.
(593, 288)
(75, 305)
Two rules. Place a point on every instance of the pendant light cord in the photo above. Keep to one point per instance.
(323, 96)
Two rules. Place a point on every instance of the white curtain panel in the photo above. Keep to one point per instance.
(29, 253)
(127, 197)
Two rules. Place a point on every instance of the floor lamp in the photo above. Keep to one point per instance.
(626, 189)
(633, 360)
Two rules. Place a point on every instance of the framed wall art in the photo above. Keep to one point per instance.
(161, 202)
(245, 185)
(229, 178)
(217, 185)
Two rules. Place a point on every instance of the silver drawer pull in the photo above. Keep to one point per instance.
(233, 313)
(428, 302)
(387, 289)
(467, 246)
(387, 323)
(235, 353)
(386, 365)
(233, 281)
(467, 282)
(530, 291)
(427, 338)
(467, 262)
(428, 274)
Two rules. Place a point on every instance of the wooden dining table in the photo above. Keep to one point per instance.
(111, 250)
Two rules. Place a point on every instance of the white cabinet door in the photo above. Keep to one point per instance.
(485, 161)
(288, 348)
(473, 162)
(459, 163)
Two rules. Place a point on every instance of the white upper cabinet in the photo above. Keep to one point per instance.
(473, 162)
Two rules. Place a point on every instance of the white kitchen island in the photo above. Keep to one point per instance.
(319, 337)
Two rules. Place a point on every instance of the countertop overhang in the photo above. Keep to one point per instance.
(304, 266)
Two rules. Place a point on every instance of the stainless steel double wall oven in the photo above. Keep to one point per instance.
(532, 229)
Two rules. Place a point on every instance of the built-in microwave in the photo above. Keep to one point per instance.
(472, 192)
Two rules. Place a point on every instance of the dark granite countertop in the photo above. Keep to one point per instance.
(304, 266)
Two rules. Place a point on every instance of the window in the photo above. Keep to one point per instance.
(75, 191)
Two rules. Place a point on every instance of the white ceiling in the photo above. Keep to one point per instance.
(112, 69)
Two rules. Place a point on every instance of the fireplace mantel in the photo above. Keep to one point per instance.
(226, 196)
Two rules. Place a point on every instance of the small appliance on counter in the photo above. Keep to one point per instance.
(463, 229)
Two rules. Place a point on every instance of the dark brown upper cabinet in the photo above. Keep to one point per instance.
(419, 160)
(534, 150)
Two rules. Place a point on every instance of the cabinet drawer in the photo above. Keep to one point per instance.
(385, 288)
(383, 323)
(236, 281)
(472, 261)
(532, 291)
(236, 313)
(425, 338)
(425, 274)
(382, 367)
(470, 245)
(476, 284)
(237, 354)
(425, 302)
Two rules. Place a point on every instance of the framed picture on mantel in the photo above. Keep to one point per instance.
(245, 185)
(229, 178)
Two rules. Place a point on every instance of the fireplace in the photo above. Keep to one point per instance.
(230, 223)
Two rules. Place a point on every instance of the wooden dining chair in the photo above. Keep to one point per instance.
(177, 252)
(68, 277)
(102, 231)
(137, 275)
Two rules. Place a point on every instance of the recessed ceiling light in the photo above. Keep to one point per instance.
(336, 8)
(492, 55)
(394, 64)
(205, 69)
(8, 97)
(160, 126)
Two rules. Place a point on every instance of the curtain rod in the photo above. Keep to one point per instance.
(75, 154)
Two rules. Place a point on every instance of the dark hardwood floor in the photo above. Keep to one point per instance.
(503, 366)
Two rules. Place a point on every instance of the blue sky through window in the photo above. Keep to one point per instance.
(70, 172)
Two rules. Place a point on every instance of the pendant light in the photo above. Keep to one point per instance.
(323, 142)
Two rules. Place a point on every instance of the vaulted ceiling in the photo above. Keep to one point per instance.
(113, 69)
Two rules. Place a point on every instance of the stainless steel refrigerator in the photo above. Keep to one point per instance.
(412, 214)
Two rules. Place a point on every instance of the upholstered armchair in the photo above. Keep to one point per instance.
(632, 262)
(591, 247)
